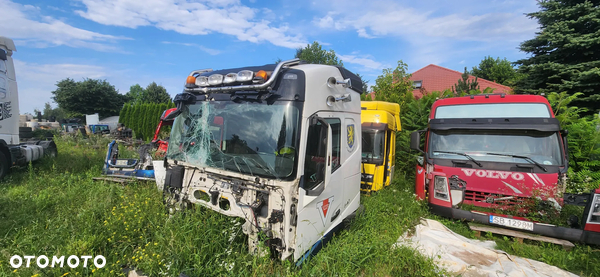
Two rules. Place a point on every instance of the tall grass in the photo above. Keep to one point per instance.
(54, 208)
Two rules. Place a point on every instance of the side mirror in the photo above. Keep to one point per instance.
(415, 141)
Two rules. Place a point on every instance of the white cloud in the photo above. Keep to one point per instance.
(366, 62)
(25, 24)
(433, 31)
(37, 81)
(393, 19)
(191, 18)
(210, 51)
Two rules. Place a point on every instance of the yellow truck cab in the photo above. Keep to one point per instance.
(379, 123)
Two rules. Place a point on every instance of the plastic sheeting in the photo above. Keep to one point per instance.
(467, 257)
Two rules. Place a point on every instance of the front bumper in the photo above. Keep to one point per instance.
(569, 234)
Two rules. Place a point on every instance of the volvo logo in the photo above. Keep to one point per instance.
(493, 174)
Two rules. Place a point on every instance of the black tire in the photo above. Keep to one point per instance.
(4, 168)
(51, 151)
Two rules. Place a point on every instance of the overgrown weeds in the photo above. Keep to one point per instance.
(54, 208)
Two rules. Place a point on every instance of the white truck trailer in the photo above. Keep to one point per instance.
(13, 152)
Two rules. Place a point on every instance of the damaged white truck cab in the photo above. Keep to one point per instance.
(277, 145)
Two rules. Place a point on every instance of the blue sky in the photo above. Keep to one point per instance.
(131, 42)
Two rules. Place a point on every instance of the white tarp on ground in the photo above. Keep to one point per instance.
(459, 255)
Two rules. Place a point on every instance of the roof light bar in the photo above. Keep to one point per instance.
(242, 75)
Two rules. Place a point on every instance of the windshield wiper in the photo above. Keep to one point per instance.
(530, 160)
(462, 154)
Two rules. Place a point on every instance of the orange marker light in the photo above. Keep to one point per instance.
(190, 80)
(262, 74)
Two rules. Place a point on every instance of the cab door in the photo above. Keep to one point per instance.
(318, 196)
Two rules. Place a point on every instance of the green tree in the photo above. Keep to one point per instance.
(124, 113)
(135, 94)
(314, 53)
(365, 85)
(466, 86)
(136, 120)
(497, 70)
(129, 115)
(155, 94)
(87, 97)
(583, 140)
(57, 113)
(393, 85)
(564, 53)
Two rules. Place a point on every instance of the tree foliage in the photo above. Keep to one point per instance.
(392, 85)
(564, 53)
(153, 93)
(466, 86)
(156, 94)
(365, 84)
(135, 94)
(50, 113)
(584, 142)
(314, 53)
(87, 97)
(143, 118)
(497, 70)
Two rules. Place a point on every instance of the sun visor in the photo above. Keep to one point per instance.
(537, 124)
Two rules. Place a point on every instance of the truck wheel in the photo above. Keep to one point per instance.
(51, 151)
(3, 165)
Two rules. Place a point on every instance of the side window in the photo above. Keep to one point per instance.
(336, 136)
(314, 163)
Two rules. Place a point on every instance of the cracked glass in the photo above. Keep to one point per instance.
(248, 138)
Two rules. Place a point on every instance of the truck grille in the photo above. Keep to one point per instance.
(486, 198)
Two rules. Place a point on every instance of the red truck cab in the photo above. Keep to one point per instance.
(497, 151)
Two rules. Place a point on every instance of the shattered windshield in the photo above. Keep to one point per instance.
(248, 138)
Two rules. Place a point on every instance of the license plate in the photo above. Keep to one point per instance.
(512, 223)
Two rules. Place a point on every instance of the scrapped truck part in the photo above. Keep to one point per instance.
(142, 168)
(379, 123)
(276, 145)
(500, 152)
(461, 256)
(13, 152)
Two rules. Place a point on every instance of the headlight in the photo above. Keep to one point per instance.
(595, 210)
(440, 188)
(366, 178)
